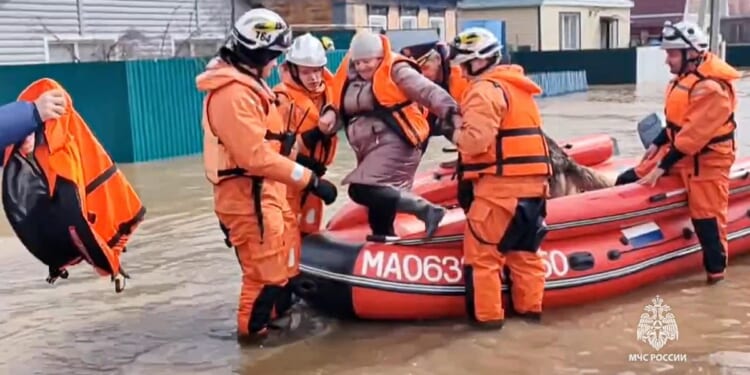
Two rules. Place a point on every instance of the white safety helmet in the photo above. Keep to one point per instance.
(683, 35)
(262, 29)
(307, 51)
(474, 43)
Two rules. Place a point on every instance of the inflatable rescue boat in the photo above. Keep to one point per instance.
(600, 244)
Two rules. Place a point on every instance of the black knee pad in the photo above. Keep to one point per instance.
(527, 228)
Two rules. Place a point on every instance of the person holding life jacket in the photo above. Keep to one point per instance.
(62, 194)
(700, 105)
(378, 98)
(246, 160)
(20, 119)
(504, 154)
(304, 90)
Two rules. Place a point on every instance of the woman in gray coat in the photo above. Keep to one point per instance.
(386, 161)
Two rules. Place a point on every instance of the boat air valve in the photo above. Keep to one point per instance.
(613, 254)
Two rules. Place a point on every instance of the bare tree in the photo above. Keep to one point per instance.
(166, 33)
(214, 14)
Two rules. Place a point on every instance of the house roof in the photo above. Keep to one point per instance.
(484, 4)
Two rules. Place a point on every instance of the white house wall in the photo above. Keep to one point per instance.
(146, 27)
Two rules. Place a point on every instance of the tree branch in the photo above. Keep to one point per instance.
(70, 48)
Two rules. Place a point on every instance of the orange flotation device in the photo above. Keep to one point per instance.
(66, 200)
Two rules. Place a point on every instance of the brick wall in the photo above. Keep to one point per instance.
(302, 11)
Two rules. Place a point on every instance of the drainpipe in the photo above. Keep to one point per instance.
(715, 40)
(79, 15)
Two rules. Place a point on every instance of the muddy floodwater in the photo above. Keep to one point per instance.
(177, 315)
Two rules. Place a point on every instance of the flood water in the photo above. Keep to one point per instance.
(177, 315)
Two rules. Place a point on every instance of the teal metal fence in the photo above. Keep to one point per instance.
(151, 109)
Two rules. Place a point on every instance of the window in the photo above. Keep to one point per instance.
(408, 19)
(196, 46)
(378, 23)
(80, 49)
(570, 31)
(377, 17)
(437, 21)
(439, 24)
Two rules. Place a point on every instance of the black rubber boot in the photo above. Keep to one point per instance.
(429, 213)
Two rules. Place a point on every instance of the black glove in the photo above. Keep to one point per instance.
(322, 189)
(446, 127)
(318, 168)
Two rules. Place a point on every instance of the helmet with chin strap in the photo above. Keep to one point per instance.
(475, 43)
(307, 51)
(258, 37)
(684, 36)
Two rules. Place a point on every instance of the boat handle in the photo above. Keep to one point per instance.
(736, 175)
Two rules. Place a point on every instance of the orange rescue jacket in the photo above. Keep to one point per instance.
(402, 115)
(693, 138)
(519, 148)
(260, 159)
(301, 115)
(68, 201)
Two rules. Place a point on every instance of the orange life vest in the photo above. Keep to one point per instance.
(397, 111)
(217, 161)
(520, 148)
(219, 164)
(324, 151)
(67, 201)
(678, 103)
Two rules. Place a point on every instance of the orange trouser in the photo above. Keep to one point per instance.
(300, 219)
(504, 232)
(263, 263)
(308, 209)
(708, 203)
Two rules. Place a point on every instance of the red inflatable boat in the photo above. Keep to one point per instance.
(600, 244)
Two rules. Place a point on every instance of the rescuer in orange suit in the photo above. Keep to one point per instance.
(504, 154)
(304, 90)
(700, 105)
(244, 143)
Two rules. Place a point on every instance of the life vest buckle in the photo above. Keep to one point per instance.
(119, 280)
(55, 273)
